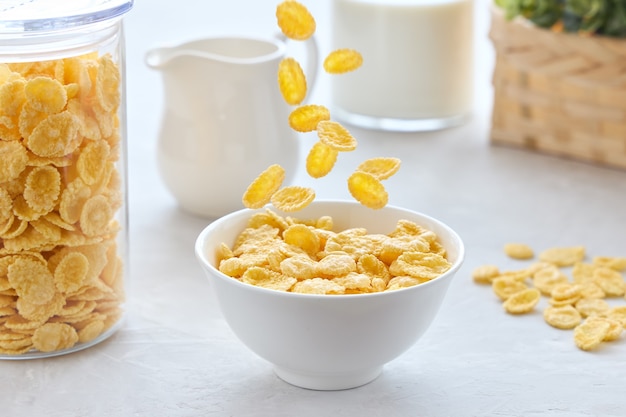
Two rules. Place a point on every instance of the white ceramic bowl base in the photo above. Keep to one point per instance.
(329, 381)
(328, 342)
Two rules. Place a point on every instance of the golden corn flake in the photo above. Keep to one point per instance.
(317, 286)
(546, 279)
(518, 251)
(90, 330)
(32, 280)
(354, 283)
(291, 81)
(613, 262)
(54, 336)
(40, 312)
(590, 334)
(42, 188)
(306, 118)
(342, 60)
(591, 290)
(45, 94)
(615, 327)
(485, 274)
(260, 191)
(13, 160)
(566, 293)
(12, 96)
(292, 198)
(583, 272)
(267, 218)
(16, 229)
(108, 84)
(420, 265)
(29, 119)
(71, 272)
(618, 313)
(95, 216)
(298, 266)
(519, 275)
(523, 301)
(367, 190)
(391, 249)
(610, 280)
(563, 256)
(51, 232)
(592, 307)
(403, 281)
(302, 237)
(92, 161)
(320, 160)
(336, 265)
(336, 136)
(9, 128)
(295, 20)
(87, 124)
(57, 135)
(563, 317)
(6, 205)
(381, 168)
(17, 343)
(505, 287)
(265, 278)
(370, 265)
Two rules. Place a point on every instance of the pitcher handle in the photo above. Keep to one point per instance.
(312, 60)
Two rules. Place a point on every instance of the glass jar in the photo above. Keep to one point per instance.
(63, 202)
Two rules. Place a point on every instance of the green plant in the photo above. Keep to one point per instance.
(602, 17)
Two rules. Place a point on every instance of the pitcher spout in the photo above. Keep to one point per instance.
(227, 50)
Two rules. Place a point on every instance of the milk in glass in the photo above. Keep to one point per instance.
(417, 63)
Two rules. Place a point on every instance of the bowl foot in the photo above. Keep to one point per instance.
(328, 381)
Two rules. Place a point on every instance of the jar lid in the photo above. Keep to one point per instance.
(23, 16)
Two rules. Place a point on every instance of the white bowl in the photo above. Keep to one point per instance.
(328, 342)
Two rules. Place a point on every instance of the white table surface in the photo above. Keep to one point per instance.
(175, 356)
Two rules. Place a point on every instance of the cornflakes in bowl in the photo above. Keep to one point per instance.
(332, 293)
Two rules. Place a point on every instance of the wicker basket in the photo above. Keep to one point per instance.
(559, 93)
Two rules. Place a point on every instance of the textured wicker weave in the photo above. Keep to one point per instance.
(559, 93)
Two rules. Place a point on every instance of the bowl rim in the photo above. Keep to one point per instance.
(202, 258)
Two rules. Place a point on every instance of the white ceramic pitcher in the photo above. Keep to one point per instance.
(225, 120)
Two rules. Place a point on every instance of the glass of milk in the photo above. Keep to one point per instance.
(417, 71)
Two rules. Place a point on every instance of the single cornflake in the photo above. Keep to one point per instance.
(317, 286)
(321, 159)
(292, 81)
(590, 334)
(260, 191)
(265, 278)
(295, 20)
(523, 301)
(563, 256)
(302, 237)
(381, 168)
(519, 251)
(504, 287)
(342, 60)
(306, 118)
(367, 190)
(562, 317)
(54, 336)
(336, 136)
(45, 94)
(292, 198)
(485, 274)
